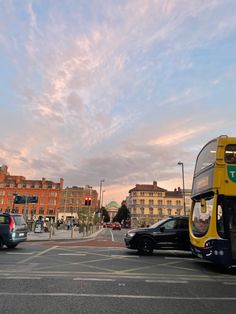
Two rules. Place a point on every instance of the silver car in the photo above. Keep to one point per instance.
(13, 230)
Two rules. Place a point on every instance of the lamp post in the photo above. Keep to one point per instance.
(100, 195)
(182, 164)
(102, 198)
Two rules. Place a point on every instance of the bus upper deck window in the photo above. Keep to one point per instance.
(230, 154)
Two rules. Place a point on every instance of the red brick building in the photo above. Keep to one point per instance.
(48, 193)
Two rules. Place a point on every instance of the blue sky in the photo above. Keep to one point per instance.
(114, 90)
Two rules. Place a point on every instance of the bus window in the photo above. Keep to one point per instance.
(207, 156)
(202, 211)
(230, 154)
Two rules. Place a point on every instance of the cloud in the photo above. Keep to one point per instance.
(117, 90)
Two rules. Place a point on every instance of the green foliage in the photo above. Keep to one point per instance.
(105, 215)
(122, 214)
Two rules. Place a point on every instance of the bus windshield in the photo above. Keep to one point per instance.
(202, 211)
(207, 156)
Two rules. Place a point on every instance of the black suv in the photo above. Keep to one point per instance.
(172, 232)
(13, 230)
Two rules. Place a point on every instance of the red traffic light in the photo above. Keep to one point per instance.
(87, 200)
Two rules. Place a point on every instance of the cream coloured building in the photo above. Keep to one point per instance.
(149, 203)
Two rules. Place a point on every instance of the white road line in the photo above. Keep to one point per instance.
(19, 253)
(229, 283)
(116, 296)
(94, 279)
(125, 256)
(112, 236)
(181, 258)
(72, 254)
(18, 277)
(166, 281)
(38, 254)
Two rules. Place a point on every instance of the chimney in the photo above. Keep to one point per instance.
(155, 183)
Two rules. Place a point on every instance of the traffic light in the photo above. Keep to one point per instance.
(87, 201)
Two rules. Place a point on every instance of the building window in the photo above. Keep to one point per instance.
(41, 211)
(51, 211)
(134, 201)
(142, 211)
(169, 203)
(142, 201)
(134, 211)
(159, 194)
(178, 203)
(150, 194)
(159, 202)
(141, 193)
(160, 211)
(169, 211)
(151, 202)
(150, 211)
(52, 202)
(178, 211)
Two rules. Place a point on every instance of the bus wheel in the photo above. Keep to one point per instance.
(145, 246)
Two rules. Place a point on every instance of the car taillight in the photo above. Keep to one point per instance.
(12, 224)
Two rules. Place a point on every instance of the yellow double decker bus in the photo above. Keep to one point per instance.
(212, 223)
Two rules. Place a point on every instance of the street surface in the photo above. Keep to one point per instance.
(101, 276)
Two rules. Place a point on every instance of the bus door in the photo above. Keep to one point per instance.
(231, 211)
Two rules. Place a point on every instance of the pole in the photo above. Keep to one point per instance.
(13, 205)
(25, 208)
(100, 195)
(102, 198)
(182, 164)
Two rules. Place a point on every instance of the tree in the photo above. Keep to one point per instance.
(105, 215)
(123, 213)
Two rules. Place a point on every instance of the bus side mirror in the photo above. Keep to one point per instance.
(203, 206)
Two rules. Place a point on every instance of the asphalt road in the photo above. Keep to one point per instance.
(102, 276)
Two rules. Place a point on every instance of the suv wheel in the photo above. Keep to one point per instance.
(1, 244)
(11, 246)
(145, 246)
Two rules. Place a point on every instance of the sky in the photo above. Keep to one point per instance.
(114, 90)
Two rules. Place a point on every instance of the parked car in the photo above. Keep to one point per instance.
(107, 225)
(116, 226)
(171, 232)
(13, 230)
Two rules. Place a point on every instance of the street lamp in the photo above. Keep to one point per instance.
(102, 198)
(182, 164)
(100, 194)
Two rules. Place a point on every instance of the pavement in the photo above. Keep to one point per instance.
(63, 235)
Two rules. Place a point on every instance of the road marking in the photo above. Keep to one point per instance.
(125, 256)
(18, 277)
(19, 253)
(119, 296)
(94, 279)
(229, 283)
(166, 281)
(112, 236)
(181, 258)
(38, 254)
(72, 254)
